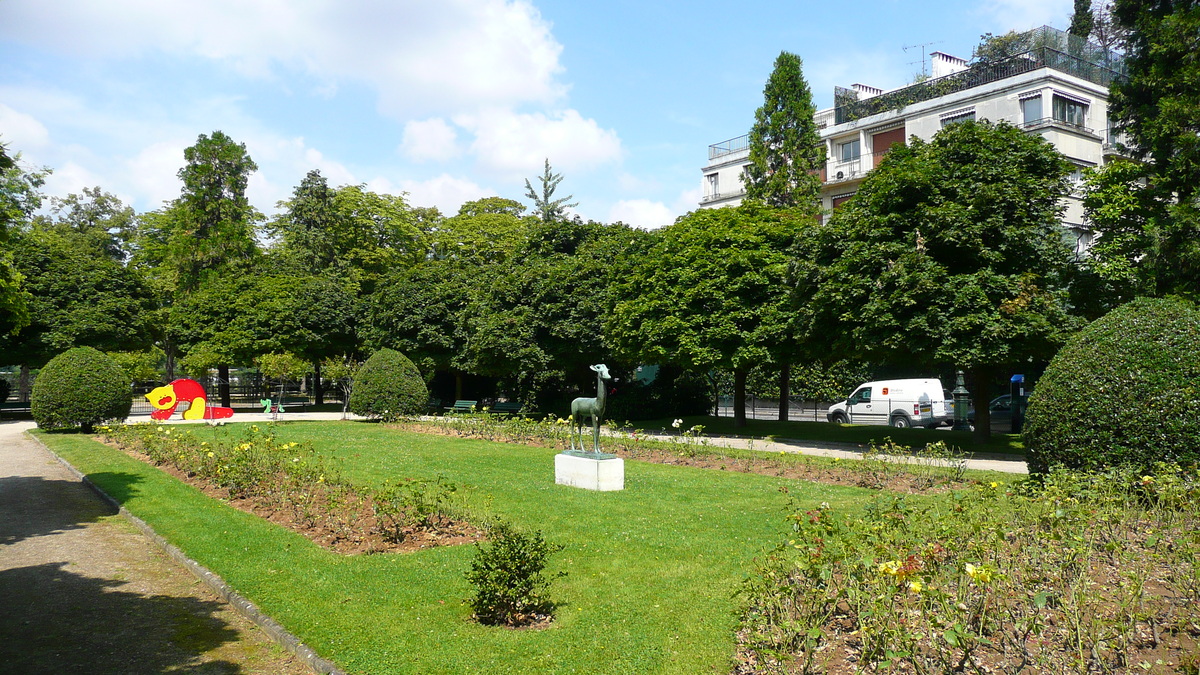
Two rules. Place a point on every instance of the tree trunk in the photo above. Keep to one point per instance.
(739, 398)
(981, 394)
(169, 349)
(318, 390)
(785, 391)
(223, 385)
(458, 382)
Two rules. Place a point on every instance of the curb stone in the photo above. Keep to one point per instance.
(243, 606)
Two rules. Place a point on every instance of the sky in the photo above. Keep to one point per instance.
(447, 101)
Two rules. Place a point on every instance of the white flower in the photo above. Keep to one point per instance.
(677, 423)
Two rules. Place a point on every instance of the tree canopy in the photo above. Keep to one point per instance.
(1157, 107)
(785, 151)
(216, 221)
(950, 252)
(710, 292)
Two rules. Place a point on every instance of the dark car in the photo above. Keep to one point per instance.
(1001, 412)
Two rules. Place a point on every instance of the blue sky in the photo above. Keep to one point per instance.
(446, 100)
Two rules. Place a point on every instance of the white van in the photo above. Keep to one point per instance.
(900, 403)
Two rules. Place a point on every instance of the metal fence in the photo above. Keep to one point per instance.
(768, 409)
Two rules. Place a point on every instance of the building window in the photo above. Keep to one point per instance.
(848, 152)
(1069, 111)
(714, 187)
(955, 118)
(1031, 109)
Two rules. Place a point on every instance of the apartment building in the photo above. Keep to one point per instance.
(1056, 86)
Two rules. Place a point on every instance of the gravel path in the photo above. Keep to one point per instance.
(85, 592)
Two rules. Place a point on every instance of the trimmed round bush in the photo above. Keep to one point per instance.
(388, 386)
(79, 388)
(1125, 391)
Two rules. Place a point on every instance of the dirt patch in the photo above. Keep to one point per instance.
(351, 529)
(855, 473)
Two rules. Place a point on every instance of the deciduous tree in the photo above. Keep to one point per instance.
(709, 293)
(950, 252)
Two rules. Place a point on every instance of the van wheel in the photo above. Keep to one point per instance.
(839, 418)
(900, 422)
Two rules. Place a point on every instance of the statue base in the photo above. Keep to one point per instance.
(589, 470)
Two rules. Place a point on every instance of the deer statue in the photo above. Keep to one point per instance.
(590, 407)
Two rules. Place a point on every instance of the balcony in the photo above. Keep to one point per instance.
(1059, 124)
(839, 172)
(729, 147)
(1045, 47)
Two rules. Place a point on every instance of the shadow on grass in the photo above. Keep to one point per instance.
(56, 621)
(120, 486)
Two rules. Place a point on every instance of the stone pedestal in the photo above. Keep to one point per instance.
(603, 473)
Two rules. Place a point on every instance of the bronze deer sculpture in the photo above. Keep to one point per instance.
(590, 407)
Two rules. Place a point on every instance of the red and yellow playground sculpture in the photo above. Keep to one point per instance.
(168, 396)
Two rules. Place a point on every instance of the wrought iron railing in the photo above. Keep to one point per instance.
(1046, 48)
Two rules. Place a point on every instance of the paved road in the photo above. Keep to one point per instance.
(86, 592)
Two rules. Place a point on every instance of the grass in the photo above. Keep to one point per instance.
(652, 569)
(825, 432)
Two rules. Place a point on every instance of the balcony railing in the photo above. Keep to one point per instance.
(728, 147)
(1047, 48)
(1055, 122)
(855, 168)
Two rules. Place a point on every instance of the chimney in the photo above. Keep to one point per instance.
(943, 64)
(866, 90)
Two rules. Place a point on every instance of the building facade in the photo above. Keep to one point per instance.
(1056, 86)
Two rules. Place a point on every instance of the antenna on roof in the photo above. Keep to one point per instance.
(922, 45)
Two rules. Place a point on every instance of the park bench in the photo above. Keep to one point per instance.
(284, 403)
(508, 409)
(462, 407)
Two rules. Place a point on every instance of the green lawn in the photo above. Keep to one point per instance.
(652, 569)
(843, 433)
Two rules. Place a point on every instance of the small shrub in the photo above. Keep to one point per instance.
(388, 386)
(1124, 391)
(508, 575)
(80, 387)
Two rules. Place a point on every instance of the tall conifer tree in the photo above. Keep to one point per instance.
(785, 160)
(785, 151)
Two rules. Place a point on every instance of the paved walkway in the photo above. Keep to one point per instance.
(86, 592)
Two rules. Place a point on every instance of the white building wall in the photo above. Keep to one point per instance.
(1000, 100)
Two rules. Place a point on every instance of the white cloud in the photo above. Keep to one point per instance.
(431, 139)
(21, 131)
(642, 213)
(419, 56)
(517, 144)
(151, 174)
(446, 192)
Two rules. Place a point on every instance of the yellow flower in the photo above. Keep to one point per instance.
(211, 453)
(891, 567)
(916, 587)
(980, 574)
(994, 484)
